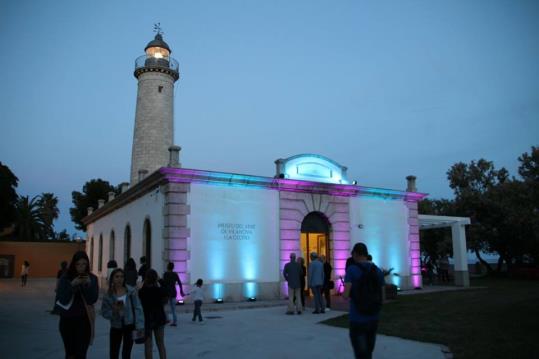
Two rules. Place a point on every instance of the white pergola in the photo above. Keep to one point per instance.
(458, 236)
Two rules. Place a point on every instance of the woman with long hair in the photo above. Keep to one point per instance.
(153, 297)
(122, 307)
(77, 292)
(131, 273)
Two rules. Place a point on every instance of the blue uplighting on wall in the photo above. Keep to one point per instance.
(250, 290)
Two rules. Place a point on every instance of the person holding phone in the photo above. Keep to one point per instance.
(122, 307)
(76, 294)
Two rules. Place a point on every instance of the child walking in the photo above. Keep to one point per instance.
(198, 296)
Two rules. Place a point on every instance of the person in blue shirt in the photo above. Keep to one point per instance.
(362, 326)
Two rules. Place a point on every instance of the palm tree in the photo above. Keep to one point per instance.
(29, 223)
(49, 211)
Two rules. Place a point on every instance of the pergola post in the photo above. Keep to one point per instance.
(460, 255)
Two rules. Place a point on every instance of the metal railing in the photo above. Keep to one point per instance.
(150, 61)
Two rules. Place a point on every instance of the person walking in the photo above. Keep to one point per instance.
(122, 308)
(198, 297)
(327, 281)
(77, 292)
(170, 279)
(152, 297)
(130, 272)
(25, 270)
(316, 281)
(292, 273)
(364, 283)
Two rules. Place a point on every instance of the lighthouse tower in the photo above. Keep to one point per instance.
(156, 73)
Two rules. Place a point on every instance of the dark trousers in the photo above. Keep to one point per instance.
(363, 338)
(197, 312)
(327, 295)
(116, 336)
(76, 334)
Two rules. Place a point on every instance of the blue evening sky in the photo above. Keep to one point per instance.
(387, 88)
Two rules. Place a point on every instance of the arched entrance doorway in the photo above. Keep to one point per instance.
(315, 230)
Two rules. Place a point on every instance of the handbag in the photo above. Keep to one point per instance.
(138, 336)
(331, 284)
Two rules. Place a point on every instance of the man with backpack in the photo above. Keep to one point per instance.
(364, 283)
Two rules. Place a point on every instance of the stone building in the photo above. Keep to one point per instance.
(236, 231)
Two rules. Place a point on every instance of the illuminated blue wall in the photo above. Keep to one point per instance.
(384, 228)
(234, 237)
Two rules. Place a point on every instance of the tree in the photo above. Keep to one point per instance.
(29, 224)
(8, 196)
(436, 243)
(48, 206)
(92, 191)
(63, 236)
(470, 183)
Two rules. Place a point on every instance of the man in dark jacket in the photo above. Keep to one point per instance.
(292, 273)
(327, 280)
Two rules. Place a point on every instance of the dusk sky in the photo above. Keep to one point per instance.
(386, 88)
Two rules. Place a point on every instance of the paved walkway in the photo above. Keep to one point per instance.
(29, 331)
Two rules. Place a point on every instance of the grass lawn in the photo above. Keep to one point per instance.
(501, 321)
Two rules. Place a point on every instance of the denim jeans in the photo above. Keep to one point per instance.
(363, 338)
(318, 301)
(172, 302)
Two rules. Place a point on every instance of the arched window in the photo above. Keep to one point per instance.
(112, 246)
(100, 254)
(127, 243)
(147, 242)
(91, 251)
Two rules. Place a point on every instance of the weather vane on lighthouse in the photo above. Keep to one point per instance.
(157, 28)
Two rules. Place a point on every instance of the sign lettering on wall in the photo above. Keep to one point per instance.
(236, 231)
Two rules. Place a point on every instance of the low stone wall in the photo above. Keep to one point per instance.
(44, 257)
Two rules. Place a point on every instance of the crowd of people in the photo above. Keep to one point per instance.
(135, 308)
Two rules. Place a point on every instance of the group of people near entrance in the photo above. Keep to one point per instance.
(364, 283)
(135, 309)
(319, 281)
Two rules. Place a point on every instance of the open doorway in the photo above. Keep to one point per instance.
(315, 230)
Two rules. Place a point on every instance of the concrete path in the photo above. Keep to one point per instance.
(29, 331)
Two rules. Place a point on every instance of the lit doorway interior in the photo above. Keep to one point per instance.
(315, 230)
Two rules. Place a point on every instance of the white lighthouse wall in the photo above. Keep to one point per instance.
(234, 243)
(133, 214)
(382, 224)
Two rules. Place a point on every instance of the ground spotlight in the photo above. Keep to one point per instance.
(219, 300)
(251, 299)
(180, 302)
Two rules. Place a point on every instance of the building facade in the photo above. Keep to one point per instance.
(234, 231)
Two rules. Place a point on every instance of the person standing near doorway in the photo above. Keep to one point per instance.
(292, 273)
(327, 281)
(316, 281)
(364, 283)
(301, 262)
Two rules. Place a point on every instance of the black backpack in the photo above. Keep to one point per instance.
(367, 291)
